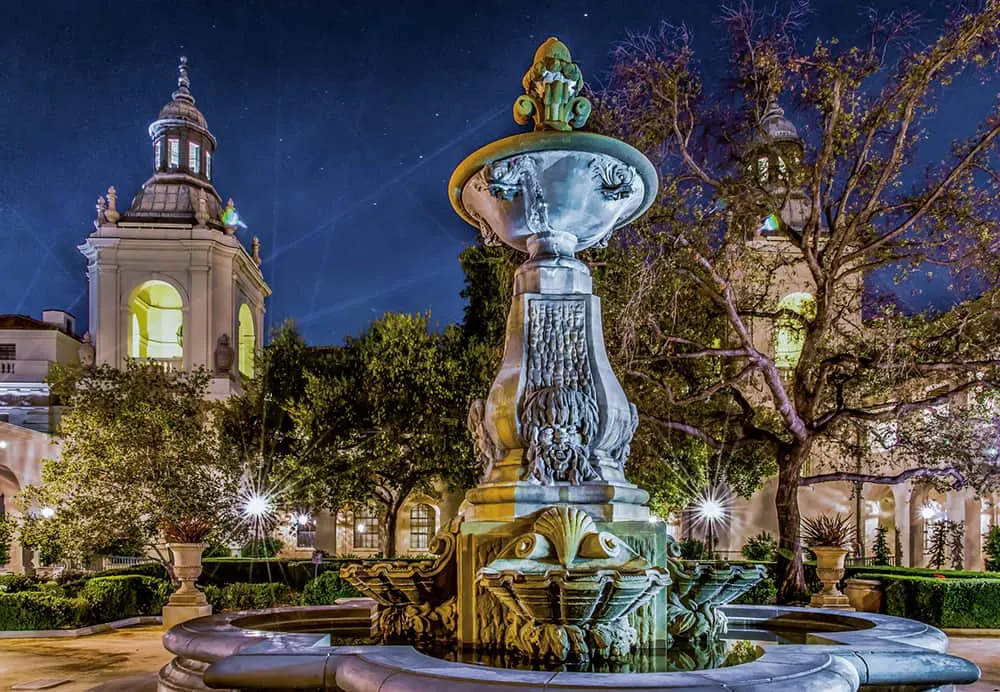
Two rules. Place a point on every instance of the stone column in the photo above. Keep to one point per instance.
(973, 545)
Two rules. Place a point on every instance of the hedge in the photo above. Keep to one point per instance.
(857, 570)
(326, 589)
(38, 610)
(293, 573)
(951, 602)
(116, 598)
(242, 596)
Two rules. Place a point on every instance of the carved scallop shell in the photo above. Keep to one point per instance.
(565, 528)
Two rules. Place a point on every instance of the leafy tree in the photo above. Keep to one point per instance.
(7, 529)
(692, 287)
(387, 413)
(880, 549)
(140, 463)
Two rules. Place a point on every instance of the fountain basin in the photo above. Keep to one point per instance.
(234, 651)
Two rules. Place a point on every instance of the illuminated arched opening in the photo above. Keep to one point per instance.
(157, 317)
(794, 310)
(247, 341)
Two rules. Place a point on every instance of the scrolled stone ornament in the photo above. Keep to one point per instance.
(615, 179)
(551, 91)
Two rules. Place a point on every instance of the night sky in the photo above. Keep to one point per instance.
(338, 125)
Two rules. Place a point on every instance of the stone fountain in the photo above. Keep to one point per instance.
(556, 556)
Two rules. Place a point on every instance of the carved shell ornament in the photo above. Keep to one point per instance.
(566, 533)
(615, 179)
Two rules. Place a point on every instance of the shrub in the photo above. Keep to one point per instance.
(878, 570)
(327, 588)
(16, 583)
(241, 596)
(761, 547)
(217, 550)
(38, 610)
(116, 598)
(694, 549)
(991, 549)
(961, 603)
(881, 547)
(764, 592)
(295, 573)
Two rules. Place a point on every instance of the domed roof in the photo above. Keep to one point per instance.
(180, 107)
(775, 127)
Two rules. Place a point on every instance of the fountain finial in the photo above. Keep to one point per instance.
(551, 91)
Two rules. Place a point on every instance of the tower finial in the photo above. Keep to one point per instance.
(183, 92)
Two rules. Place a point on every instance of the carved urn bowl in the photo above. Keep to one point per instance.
(552, 194)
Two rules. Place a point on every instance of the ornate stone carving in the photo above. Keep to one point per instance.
(615, 179)
(485, 231)
(416, 599)
(505, 179)
(568, 589)
(87, 353)
(559, 413)
(102, 208)
(696, 592)
(111, 213)
(201, 214)
(488, 450)
(625, 433)
(223, 356)
(551, 88)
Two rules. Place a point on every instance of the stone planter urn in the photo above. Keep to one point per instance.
(187, 602)
(865, 595)
(830, 568)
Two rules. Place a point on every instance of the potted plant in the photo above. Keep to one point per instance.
(186, 542)
(828, 536)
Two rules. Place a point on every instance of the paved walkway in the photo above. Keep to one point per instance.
(127, 660)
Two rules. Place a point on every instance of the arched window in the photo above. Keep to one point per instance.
(156, 318)
(421, 526)
(794, 311)
(367, 533)
(247, 341)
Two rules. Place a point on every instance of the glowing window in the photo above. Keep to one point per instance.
(794, 311)
(194, 157)
(421, 526)
(367, 534)
(762, 169)
(247, 341)
(157, 153)
(174, 152)
(208, 165)
(157, 314)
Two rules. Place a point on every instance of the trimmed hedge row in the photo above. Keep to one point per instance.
(242, 596)
(960, 603)
(855, 571)
(293, 573)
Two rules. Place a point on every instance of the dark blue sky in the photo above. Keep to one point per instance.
(338, 122)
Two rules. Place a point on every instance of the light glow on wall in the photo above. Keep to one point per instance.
(157, 317)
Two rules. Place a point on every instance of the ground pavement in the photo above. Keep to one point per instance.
(127, 660)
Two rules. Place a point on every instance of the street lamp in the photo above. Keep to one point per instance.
(712, 508)
(48, 512)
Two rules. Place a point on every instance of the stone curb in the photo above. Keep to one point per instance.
(970, 632)
(83, 631)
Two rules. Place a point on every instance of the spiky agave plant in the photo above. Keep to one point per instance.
(826, 530)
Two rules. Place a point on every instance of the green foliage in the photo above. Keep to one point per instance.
(140, 462)
(956, 544)
(858, 570)
(7, 528)
(15, 583)
(991, 549)
(295, 573)
(489, 282)
(216, 549)
(38, 610)
(827, 530)
(959, 603)
(881, 546)
(387, 415)
(261, 548)
(695, 549)
(43, 536)
(764, 592)
(326, 589)
(939, 544)
(120, 597)
(240, 596)
(760, 548)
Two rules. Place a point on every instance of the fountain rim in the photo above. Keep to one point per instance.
(553, 140)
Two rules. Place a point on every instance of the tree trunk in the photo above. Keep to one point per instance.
(791, 579)
(389, 536)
